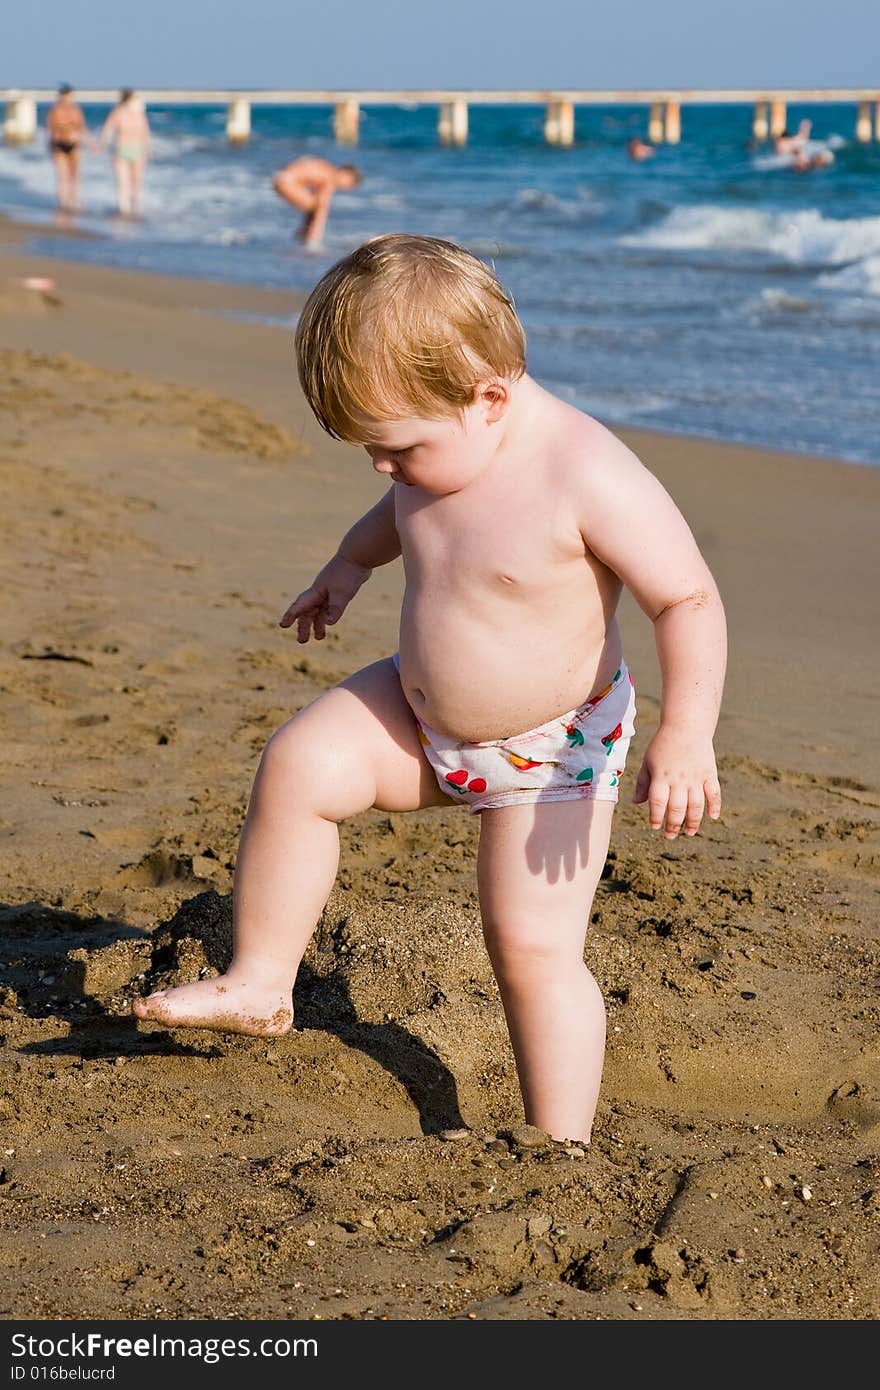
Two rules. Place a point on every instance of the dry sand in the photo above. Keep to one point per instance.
(165, 493)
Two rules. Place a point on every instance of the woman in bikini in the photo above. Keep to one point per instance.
(129, 130)
(66, 128)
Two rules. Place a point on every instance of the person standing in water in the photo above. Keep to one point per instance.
(309, 184)
(129, 130)
(66, 129)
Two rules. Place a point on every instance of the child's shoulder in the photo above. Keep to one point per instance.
(588, 452)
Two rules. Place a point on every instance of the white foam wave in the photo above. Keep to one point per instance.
(796, 238)
(862, 278)
(777, 301)
(542, 200)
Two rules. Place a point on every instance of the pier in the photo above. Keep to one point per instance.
(663, 107)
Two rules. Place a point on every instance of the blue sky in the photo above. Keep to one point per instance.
(467, 43)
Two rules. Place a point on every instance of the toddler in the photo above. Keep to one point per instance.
(519, 519)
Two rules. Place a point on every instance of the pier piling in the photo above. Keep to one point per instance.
(452, 123)
(655, 123)
(778, 117)
(672, 123)
(559, 122)
(863, 122)
(20, 120)
(238, 121)
(761, 120)
(346, 121)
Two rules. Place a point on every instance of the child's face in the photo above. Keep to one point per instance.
(440, 456)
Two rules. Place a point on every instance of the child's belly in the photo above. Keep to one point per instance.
(504, 672)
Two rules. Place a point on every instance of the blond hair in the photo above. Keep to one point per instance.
(405, 325)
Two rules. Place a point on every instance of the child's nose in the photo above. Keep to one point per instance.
(382, 463)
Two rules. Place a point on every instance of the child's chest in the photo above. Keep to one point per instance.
(513, 541)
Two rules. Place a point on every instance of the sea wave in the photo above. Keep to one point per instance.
(860, 278)
(804, 238)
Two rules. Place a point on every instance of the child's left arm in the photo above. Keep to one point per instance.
(633, 526)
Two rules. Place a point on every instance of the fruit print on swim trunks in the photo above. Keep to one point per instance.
(609, 740)
(573, 734)
(459, 778)
(520, 763)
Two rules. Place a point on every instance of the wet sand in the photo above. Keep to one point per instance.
(165, 493)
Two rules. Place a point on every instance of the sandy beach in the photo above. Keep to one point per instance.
(165, 494)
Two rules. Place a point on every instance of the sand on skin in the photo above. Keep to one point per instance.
(164, 494)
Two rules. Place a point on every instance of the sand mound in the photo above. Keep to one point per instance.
(34, 384)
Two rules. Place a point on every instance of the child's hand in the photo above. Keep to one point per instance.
(326, 599)
(679, 780)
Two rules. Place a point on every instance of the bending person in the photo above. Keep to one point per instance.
(309, 184)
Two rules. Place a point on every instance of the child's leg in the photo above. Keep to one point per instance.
(354, 747)
(537, 869)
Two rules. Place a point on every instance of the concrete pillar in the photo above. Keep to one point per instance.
(778, 117)
(672, 123)
(655, 124)
(452, 123)
(877, 121)
(20, 120)
(559, 123)
(346, 121)
(238, 121)
(863, 122)
(761, 121)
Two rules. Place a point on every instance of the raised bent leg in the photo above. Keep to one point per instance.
(354, 747)
(537, 869)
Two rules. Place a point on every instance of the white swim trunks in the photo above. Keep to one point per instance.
(578, 754)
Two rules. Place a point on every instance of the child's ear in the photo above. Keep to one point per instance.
(495, 398)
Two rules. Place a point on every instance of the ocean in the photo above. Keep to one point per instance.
(709, 290)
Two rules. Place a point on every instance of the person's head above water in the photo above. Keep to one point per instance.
(404, 326)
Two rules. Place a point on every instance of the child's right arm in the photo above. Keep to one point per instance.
(371, 542)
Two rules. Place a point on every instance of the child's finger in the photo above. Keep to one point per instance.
(320, 630)
(303, 627)
(676, 808)
(657, 799)
(713, 798)
(695, 807)
(291, 613)
(643, 782)
(303, 603)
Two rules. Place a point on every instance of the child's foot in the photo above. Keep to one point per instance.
(229, 1006)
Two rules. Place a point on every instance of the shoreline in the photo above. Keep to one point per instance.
(165, 493)
(220, 295)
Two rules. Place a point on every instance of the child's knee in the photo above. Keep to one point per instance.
(307, 759)
(528, 946)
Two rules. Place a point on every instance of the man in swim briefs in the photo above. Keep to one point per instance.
(66, 128)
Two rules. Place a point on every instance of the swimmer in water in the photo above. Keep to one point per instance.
(638, 150)
(793, 144)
